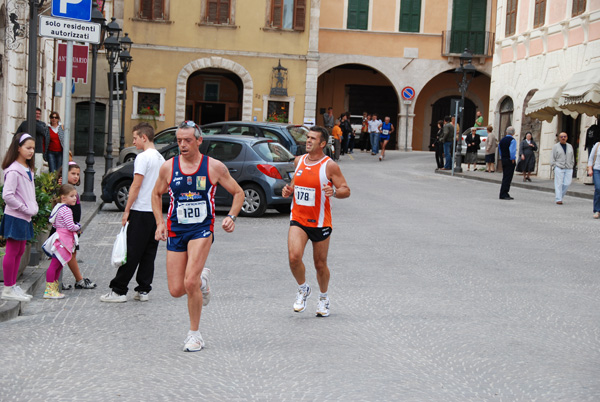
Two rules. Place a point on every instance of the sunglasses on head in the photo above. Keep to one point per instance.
(188, 123)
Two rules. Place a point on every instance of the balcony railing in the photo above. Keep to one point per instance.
(480, 43)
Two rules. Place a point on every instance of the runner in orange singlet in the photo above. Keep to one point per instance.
(316, 180)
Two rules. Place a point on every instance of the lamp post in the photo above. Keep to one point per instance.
(32, 67)
(88, 185)
(467, 71)
(112, 47)
(125, 59)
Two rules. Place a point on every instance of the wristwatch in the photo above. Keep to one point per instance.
(334, 192)
(233, 217)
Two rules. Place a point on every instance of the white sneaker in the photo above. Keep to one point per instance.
(113, 297)
(323, 307)
(206, 290)
(9, 293)
(20, 291)
(193, 343)
(141, 296)
(300, 303)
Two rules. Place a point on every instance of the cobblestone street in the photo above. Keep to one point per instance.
(439, 292)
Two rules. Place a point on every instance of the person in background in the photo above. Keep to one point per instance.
(478, 119)
(508, 155)
(337, 139)
(593, 170)
(490, 150)
(365, 141)
(328, 119)
(438, 146)
(374, 125)
(527, 155)
(447, 135)
(562, 161)
(386, 129)
(40, 136)
(346, 131)
(55, 139)
(473, 141)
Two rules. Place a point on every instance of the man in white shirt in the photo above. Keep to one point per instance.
(374, 124)
(141, 245)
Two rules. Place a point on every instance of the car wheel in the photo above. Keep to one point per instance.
(255, 202)
(129, 158)
(122, 194)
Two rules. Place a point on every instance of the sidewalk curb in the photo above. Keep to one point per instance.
(34, 276)
(528, 186)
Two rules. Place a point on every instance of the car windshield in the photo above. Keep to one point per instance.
(299, 133)
(166, 137)
(272, 152)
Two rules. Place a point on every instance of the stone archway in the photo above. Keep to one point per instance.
(213, 62)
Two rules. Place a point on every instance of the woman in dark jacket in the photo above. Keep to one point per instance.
(473, 141)
(527, 154)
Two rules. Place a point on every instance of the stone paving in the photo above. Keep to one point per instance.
(439, 292)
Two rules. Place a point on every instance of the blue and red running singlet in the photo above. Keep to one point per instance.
(192, 205)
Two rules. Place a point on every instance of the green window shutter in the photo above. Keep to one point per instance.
(358, 14)
(410, 15)
(468, 26)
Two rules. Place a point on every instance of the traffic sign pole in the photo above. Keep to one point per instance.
(67, 124)
(408, 94)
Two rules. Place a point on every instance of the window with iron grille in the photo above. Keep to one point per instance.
(511, 17)
(578, 7)
(539, 17)
(152, 9)
(218, 11)
(288, 14)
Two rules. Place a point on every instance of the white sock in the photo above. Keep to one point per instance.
(323, 295)
(304, 287)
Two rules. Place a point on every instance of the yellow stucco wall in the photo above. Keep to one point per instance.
(162, 49)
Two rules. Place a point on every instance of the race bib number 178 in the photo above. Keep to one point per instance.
(304, 196)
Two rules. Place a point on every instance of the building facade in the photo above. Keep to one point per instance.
(541, 46)
(370, 50)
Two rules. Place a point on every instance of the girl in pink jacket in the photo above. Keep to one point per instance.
(19, 195)
(62, 243)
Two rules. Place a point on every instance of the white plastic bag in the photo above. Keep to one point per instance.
(119, 252)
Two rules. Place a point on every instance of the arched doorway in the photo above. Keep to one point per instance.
(357, 88)
(212, 95)
(445, 107)
(506, 116)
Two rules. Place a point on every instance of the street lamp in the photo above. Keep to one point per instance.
(467, 70)
(88, 185)
(125, 59)
(112, 47)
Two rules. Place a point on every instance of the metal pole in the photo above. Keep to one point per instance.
(118, 108)
(109, 148)
(454, 141)
(88, 185)
(122, 142)
(406, 137)
(32, 92)
(67, 124)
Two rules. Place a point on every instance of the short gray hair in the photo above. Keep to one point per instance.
(510, 130)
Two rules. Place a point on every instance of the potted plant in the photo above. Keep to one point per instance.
(149, 113)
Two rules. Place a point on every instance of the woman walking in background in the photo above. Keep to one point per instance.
(527, 155)
(55, 141)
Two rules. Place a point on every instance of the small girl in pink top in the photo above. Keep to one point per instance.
(62, 243)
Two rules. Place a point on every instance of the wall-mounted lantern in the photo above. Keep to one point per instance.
(279, 78)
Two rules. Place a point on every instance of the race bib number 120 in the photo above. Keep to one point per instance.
(304, 196)
(191, 212)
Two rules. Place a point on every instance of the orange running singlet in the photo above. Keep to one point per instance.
(311, 207)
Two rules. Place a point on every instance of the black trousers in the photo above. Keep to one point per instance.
(345, 143)
(141, 252)
(508, 170)
(365, 142)
(439, 154)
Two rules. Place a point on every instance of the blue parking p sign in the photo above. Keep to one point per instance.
(73, 9)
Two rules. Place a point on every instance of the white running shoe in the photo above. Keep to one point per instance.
(20, 291)
(113, 297)
(9, 293)
(206, 290)
(323, 307)
(300, 303)
(193, 343)
(141, 296)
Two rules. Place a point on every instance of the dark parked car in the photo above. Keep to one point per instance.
(291, 136)
(262, 167)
